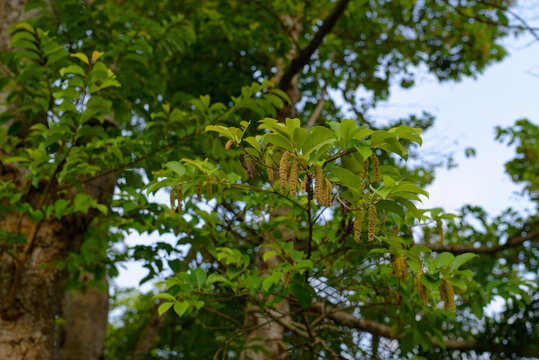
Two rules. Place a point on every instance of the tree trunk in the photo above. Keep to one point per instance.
(31, 286)
(27, 322)
(11, 11)
(261, 329)
(146, 340)
(83, 334)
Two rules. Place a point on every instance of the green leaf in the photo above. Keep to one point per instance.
(181, 307)
(222, 130)
(444, 259)
(430, 282)
(391, 206)
(302, 290)
(316, 136)
(34, 4)
(13, 159)
(347, 129)
(59, 207)
(363, 133)
(407, 187)
(72, 69)
(291, 126)
(461, 259)
(346, 177)
(282, 94)
(176, 167)
(417, 249)
(82, 57)
(364, 151)
(200, 277)
(378, 251)
(165, 296)
(82, 202)
(163, 308)
(304, 264)
(278, 140)
(274, 100)
(268, 254)
(96, 55)
(394, 242)
(380, 136)
(274, 126)
(458, 283)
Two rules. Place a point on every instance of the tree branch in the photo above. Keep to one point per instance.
(524, 25)
(304, 55)
(351, 321)
(513, 241)
(317, 110)
(146, 339)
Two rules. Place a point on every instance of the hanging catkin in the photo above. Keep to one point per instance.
(199, 191)
(270, 174)
(283, 170)
(365, 169)
(421, 289)
(172, 201)
(303, 185)
(179, 196)
(328, 188)
(399, 267)
(209, 189)
(372, 221)
(251, 170)
(448, 295)
(440, 229)
(376, 167)
(358, 221)
(318, 183)
(293, 178)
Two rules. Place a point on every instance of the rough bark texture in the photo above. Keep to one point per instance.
(146, 340)
(262, 329)
(11, 11)
(27, 324)
(347, 319)
(86, 317)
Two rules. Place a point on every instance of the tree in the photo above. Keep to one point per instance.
(128, 96)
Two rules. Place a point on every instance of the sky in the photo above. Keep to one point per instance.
(466, 114)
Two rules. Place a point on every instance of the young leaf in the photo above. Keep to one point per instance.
(163, 308)
(444, 259)
(461, 259)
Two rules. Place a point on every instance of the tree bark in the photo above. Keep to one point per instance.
(11, 11)
(347, 319)
(261, 329)
(27, 323)
(31, 286)
(83, 334)
(146, 340)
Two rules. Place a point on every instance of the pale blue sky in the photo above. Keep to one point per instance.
(466, 113)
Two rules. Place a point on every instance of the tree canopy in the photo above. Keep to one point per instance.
(297, 218)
